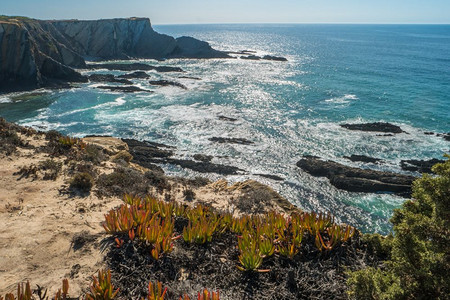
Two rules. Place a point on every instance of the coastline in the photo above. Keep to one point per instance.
(52, 232)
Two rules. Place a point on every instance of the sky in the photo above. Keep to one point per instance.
(238, 11)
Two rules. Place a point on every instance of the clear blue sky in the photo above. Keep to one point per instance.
(234, 11)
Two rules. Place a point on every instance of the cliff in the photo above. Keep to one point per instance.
(31, 56)
(37, 53)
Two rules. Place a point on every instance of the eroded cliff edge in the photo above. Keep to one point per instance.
(39, 53)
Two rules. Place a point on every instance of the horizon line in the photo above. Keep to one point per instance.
(296, 23)
(241, 23)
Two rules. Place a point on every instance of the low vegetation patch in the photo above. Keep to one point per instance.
(82, 182)
(51, 169)
(268, 256)
(101, 288)
(122, 180)
(9, 138)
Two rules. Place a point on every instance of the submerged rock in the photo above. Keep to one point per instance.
(137, 75)
(421, 166)
(251, 57)
(265, 57)
(190, 77)
(224, 118)
(223, 140)
(205, 167)
(124, 89)
(276, 58)
(203, 157)
(377, 127)
(363, 158)
(445, 136)
(273, 177)
(357, 180)
(167, 83)
(108, 78)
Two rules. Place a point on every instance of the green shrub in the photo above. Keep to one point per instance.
(419, 267)
(82, 182)
(379, 245)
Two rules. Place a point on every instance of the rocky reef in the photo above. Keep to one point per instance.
(357, 180)
(38, 53)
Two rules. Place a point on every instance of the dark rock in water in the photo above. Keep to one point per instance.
(363, 158)
(205, 167)
(224, 118)
(251, 57)
(242, 52)
(223, 140)
(167, 83)
(203, 157)
(377, 127)
(107, 78)
(428, 133)
(273, 177)
(137, 75)
(358, 180)
(265, 57)
(124, 89)
(277, 58)
(148, 153)
(386, 134)
(189, 47)
(134, 143)
(190, 77)
(445, 136)
(421, 166)
(135, 67)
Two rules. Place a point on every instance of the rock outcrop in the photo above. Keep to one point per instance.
(363, 158)
(375, 127)
(38, 53)
(167, 83)
(33, 55)
(355, 179)
(147, 154)
(421, 166)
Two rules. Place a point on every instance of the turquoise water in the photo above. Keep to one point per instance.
(335, 74)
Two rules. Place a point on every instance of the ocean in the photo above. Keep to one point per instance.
(334, 74)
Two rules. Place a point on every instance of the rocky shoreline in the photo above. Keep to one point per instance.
(49, 53)
(357, 180)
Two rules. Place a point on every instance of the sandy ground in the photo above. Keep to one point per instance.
(38, 225)
(48, 235)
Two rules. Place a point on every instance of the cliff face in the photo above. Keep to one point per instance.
(36, 53)
(116, 38)
(32, 57)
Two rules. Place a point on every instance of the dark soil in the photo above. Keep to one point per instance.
(191, 268)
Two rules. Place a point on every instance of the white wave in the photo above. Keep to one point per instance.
(5, 99)
(342, 100)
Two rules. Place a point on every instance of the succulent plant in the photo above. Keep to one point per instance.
(155, 291)
(101, 287)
